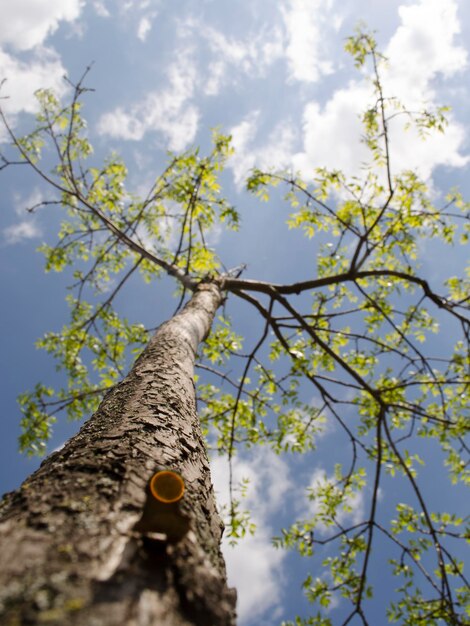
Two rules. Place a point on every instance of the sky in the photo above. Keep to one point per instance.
(273, 74)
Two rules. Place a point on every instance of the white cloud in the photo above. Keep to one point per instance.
(307, 23)
(254, 569)
(143, 28)
(167, 111)
(43, 70)
(275, 153)
(217, 72)
(136, 5)
(254, 565)
(243, 135)
(26, 228)
(331, 135)
(101, 8)
(28, 202)
(231, 57)
(252, 54)
(27, 23)
(423, 47)
(15, 233)
(137, 15)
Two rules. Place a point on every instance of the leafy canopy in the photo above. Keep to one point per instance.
(363, 334)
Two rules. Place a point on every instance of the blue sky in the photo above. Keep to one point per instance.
(273, 74)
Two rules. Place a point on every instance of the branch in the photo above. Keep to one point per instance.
(238, 284)
(169, 268)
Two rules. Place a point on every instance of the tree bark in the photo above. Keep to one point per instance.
(73, 547)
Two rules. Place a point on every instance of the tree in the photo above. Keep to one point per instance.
(359, 332)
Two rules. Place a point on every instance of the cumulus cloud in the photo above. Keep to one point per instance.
(307, 24)
(167, 111)
(254, 566)
(276, 152)
(44, 70)
(332, 133)
(27, 23)
(423, 47)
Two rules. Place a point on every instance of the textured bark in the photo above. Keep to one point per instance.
(70, 551)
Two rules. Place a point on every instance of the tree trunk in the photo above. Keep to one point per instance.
(74, 549)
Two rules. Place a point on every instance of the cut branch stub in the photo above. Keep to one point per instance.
(162, 518)
(167, 486)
